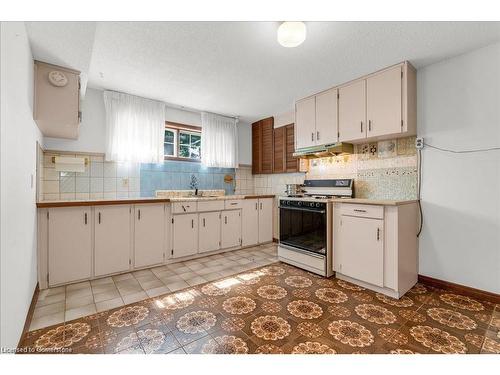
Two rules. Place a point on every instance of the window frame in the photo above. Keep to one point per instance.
(177, 128)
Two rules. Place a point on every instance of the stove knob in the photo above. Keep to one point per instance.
(299, 203)
(317, 204)
(312, 204)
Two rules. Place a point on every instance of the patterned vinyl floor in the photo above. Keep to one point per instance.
(282, 309)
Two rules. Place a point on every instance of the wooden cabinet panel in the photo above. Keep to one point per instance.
(231, 228)
(256, 147)
(279, 150)
(326, 117)
(250, 222)
(149, 236)
(352, 111)
(305, 123)
(383, 102)
(362, 249)
(112, 241)
(185, 235)
(209, 224)
(69, 245)
(265, 220)
(267, 145)
(292, 163)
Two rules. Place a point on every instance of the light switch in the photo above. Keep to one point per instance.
(124, 182)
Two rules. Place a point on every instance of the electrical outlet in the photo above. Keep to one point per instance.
(419, 143)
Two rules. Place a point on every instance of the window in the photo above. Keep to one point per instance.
(182, 142)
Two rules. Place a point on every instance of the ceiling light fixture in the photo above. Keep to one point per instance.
(291, 34)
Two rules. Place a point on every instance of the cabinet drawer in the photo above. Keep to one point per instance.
(210, 206)
(362, 210)
(183, 207)
(233, 203)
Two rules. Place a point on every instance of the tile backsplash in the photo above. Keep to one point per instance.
(381, 170)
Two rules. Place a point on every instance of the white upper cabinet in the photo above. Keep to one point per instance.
(69, 245)
(383, 102)
(326, 117)
(305, 123)
(149, 244)
(112, 239)
(352, 111)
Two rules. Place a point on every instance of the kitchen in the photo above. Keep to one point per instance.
(324, 218)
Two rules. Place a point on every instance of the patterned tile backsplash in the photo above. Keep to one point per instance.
(381, 170)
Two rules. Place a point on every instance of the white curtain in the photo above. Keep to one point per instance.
(135, 128)
(219, 141)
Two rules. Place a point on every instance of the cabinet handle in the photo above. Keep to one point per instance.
(312, 136)
(225, 219)
(358, 210)
(378, 234)
(99, 217)
(85, 218)
(192, 223)
(233, 203)
(261, 205)
(138, 214)
(203, 221)
(369, 125)
(256, 206)
(317, 136)
(361, 126)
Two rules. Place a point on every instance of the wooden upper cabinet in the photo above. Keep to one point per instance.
(383, 102)
(352, 111)
(279, 150)
(326, 117)
(291, 162)
(305, 123)
(262, 146)
(256, 147)
(56, 108)
(267, 127)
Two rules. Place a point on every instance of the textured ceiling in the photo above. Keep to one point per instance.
(238, 68)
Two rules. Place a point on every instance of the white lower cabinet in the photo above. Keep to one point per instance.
(149, 234)
(112, 239)
(265, 220)
(184, 235)
(69, 245)
(209, 232)
(363, 257)
(250, 222)
(231, 229)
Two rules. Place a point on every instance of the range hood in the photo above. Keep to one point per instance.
(323, 151)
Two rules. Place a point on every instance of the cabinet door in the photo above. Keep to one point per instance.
(352, 111)
(149, 244)
(231, 228)
(70, 245)
(265, 220)
(279, 158)
(267, 126)
(112, 239)
(362, 249)
(383, 103)
(250, 222)
(305, 122)
(292, 163)
(256, 147)
(326, 117)
(209, 224)
(185, 235)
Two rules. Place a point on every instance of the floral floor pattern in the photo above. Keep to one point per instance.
(279, 309)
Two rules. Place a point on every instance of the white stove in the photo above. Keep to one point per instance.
(306, 225)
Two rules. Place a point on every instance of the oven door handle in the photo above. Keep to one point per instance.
(302, 251)
(303, 209)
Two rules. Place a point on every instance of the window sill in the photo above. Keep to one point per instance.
(175, 158)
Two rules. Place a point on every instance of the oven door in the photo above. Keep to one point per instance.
(303, 228)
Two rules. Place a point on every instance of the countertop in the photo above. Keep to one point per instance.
(379, 202)
(109, 202)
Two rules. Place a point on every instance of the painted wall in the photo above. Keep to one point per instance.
(93, 128)
(19, 136)
(459, 108)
